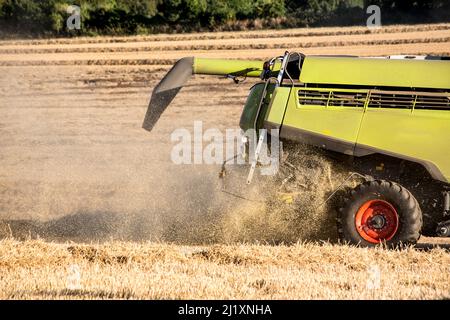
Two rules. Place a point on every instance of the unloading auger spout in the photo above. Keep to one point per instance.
(181, 72)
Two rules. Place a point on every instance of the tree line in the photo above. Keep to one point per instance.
(117, 17)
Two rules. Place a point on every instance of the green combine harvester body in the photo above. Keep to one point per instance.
(373, 110)
(329, 108)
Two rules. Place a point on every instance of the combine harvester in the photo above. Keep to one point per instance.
(389, 117)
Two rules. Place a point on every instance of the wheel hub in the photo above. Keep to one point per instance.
(377, 221)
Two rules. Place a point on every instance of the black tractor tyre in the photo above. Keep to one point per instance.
(392, 214)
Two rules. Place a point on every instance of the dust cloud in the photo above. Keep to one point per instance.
(76, 165)
(185, 205)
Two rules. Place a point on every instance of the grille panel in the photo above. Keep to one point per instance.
(374, 99)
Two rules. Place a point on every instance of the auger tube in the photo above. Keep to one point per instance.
(181, 72)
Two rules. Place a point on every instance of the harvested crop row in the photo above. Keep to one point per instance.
(172, 45)
(169, 57)
(229, 46)
(302, 32)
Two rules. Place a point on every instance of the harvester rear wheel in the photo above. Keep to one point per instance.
(380, 211)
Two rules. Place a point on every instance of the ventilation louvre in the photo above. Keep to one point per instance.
(374, 99)
(409, 100)
(332, 98)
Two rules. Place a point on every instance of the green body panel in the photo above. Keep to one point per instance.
(277, 106)
(376, 72)
(341, 123)
(249, 68)
(250, 110)
(421, 135)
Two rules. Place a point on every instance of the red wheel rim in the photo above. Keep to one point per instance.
(376, 221)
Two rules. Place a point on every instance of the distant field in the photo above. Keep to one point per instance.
(75, 165)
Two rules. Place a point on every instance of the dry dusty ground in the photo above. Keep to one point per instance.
(75, 165)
